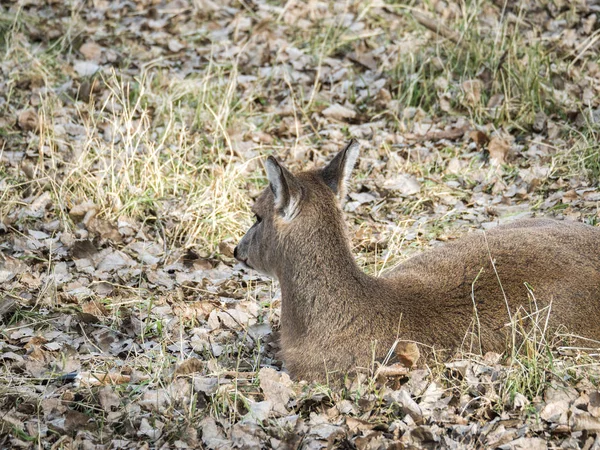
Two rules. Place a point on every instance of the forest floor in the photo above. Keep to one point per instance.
(132, 136)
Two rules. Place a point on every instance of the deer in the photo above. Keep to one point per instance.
(336, 320)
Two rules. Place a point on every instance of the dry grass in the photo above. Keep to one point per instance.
(172, 141)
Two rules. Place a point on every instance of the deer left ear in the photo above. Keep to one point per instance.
(287, 192)
(337, 173)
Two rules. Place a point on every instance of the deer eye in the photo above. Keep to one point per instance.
(258, 218)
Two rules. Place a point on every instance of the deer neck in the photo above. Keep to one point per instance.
(323, 287)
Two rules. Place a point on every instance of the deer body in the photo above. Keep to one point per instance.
(335, 318)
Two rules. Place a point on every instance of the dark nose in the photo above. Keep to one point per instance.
(235, 252)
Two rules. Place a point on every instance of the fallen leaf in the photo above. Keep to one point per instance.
(109, 399)
(594, 404)
(212, 435)
(83, 211)
(365, 59)
(498, 149)
(207, 385)
(153, 431)
(247, 435)
(276, 387)
(339, 112)
(583, 420)
(472, 91)
(540, 122)
(10, 267)
(226, 248)
(407, 404)
(175, 45)
(520, 401)
(403, 183)
(155, 400)
(28, 120)
(105, 229)
(86, 68)
(83, 248)
(75, 421)
(355, 424)
(91, 51)
(112, 260)
(451, 134)
(7, 305)
(526, 443)
(480, 138)
(408, 353)
(189, 366)
(258, 411)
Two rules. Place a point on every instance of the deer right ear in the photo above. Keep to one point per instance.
(337, 173)
(285, 187)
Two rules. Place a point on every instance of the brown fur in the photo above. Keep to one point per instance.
(335, 318)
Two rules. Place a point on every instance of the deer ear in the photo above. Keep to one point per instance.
(286, 189)
(337, 173)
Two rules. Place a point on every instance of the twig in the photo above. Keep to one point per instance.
(436, 27)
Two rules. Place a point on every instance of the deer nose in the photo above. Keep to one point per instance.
(235, 252)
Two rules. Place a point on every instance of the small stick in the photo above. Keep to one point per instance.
(392, 371)
(436, 26)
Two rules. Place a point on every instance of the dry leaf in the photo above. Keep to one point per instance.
(594, 404)
(109, 399)
(105, 229)
(355, 425)
(407, 404)
(393, 370)
(247, 434)
(7, 305)
(540, 122)
(583, 420)
(189, 366)
(451, 134)
(495, 101)
(498, 149)
(112, 260)
(151, 431)
(480, 138)
(84, 211)
(86, 68)
(28, 120)
(403, 183)
(91, 51)
(76, 421)
(175, 45)
(408, 353)
(365, 59)
(555, 412)
(527, 443)
(212, 435)
(276, 387)
(339, 112)
(155, 400)
(226, 248)
(96, 308)
(207, 385)
(258, 411)
(472, 90)
(10, 267)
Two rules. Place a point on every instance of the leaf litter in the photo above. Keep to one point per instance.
(130, 139)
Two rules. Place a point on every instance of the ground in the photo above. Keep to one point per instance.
(132, 136)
